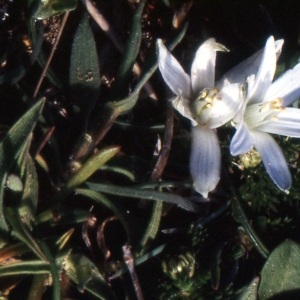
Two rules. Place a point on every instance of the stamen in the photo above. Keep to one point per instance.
(277, 103)
(211, 95)
(206, 99)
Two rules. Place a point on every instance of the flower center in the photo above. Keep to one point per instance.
(203, 103)
(256, 114)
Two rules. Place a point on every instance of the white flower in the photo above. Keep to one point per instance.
(264, 111)
(205, 106)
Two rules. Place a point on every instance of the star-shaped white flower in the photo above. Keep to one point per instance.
(265, 111)
(205, 106)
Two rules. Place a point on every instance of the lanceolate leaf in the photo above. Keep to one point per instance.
(152, 227)
(84, 71)
(30, 193)
(89, 167)
(280, 276)
(144, 194)
(10, 148)
(130, 54)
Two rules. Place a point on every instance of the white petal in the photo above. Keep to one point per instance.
(182, 106)
(225, 105)
(286, 87)
(172, 72)
(238, 118)
(242, 140)
(205, 161)
(278, 48)
(286, 123)
(203, 67)
(248, 67)
(265, 73)
(273, 159)
(239, 73)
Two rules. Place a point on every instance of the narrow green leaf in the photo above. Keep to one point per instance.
(139, 128)
(89, 167)
(39, 42)
(10, 148)
(61, 242)
(29, 199)
(240, 216)
(148, 69)
(62, 216)
(118, 170)
(249, 292)
(83, 272)
(215, 265)
(130, 54)
(99, 198)
(164, 184)
(20, 164)
(25, 268)
(55, 266)
(22, 233)
(280, 276)
(153, 226)
(144, 194)
(49, 8)
(84, 71)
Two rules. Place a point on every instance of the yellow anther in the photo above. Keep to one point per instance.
(203, 95)
(277, 103)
